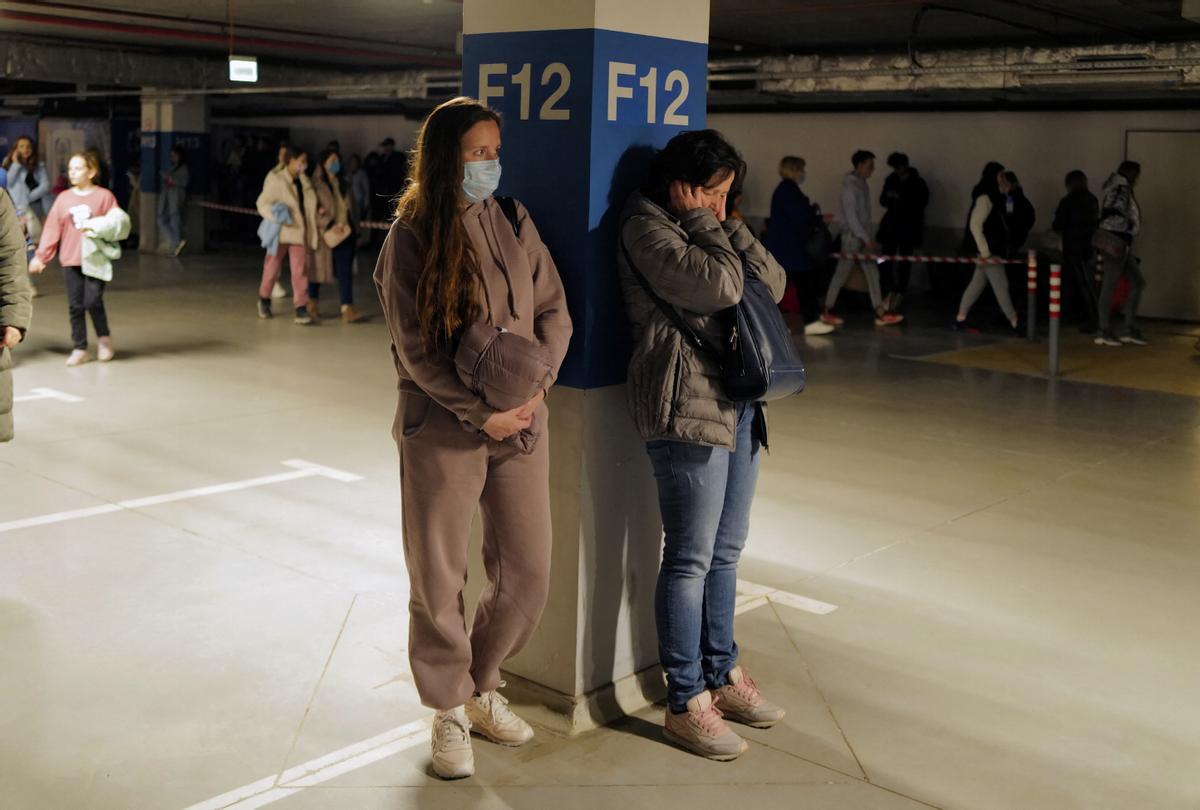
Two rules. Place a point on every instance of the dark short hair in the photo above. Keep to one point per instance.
(896, 160)
(388, 142)
(1011, 179)
(695, 157)
(861, 156)
(1075, 177)
(1129, 169)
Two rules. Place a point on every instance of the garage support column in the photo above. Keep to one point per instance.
(588, 88)
(172, 121)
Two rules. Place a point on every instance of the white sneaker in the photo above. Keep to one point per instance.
(491, 718)
(452, 755)
(105, 352)
(818, 328)
(278, 291)
(77, 357)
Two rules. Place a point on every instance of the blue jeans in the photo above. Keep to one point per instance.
(172, 223)
(704, 494)
(343, 271)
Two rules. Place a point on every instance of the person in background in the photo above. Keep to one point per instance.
(288, 185)
(63, 234)
(1076, 220)
(29, 184)
(333, 221)
(793, 218)
(1120, 221)
(856, 238)
(902, 229)
(987, 236)
(392, 170)
(16, 306)
(677, 243)
(359, 187)
(172, 201)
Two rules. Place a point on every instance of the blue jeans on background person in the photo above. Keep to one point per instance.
(704, 494)
(343, 271)
(172, 223)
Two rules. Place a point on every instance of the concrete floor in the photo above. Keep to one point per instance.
(1013, 564)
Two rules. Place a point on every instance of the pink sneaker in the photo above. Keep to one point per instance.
(832, 318)
(888, 319)
(701, 730)
(745, 704)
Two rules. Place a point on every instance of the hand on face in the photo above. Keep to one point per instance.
(685, 198)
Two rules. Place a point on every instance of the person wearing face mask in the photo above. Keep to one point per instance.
(793, 219)
(902, 229)
(289, 201)
(677, 243)
(334, 256)
(452, 260)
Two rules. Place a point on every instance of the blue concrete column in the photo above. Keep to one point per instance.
(588, 89)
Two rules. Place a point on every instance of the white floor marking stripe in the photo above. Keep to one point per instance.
(48, 393)
(301, 469)
(792, 600)
(314, 772)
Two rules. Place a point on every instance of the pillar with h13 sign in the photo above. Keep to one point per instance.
(588, 89)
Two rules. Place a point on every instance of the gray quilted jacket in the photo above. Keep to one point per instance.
(694, 263)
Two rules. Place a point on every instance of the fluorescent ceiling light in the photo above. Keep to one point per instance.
(1092, 78)
(243, 69)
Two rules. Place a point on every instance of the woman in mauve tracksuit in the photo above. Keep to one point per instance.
(453, 258)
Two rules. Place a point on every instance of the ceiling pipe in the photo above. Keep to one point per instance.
(201, 37)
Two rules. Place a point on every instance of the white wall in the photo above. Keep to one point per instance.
(356, 133)
(949, 149)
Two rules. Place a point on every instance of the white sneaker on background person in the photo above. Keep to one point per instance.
(105, 351)
(451, 744)
(818, 328)
(278, 291)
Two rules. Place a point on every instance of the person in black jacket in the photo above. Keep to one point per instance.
(1075, 220)
(987, 236)
(793, 219)
(905, 196)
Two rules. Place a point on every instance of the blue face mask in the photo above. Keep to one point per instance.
(800, 180)
(481, 178)
(335, 168)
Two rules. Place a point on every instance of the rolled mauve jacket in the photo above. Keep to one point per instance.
(506, 371)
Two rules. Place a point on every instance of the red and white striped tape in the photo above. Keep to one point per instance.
(237, 209)
(926, 259)
(1055, 292)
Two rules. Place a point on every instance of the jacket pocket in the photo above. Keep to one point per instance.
(676, 385)
(412, 416)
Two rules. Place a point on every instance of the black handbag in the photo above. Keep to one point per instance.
(758, 360)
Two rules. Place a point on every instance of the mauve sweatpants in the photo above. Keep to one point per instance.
(445, 471)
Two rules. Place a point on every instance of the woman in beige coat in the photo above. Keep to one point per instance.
(336, 260)
(287, 187)
(453, 259)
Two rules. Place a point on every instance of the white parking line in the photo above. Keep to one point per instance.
(48, 393)
(766, 593)
(314, 772)
(301, 469)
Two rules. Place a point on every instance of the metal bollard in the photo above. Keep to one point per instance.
(1099, 277)
(1031, 313)
(1055, 312)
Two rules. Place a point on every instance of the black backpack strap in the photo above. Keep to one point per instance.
(509, 206)
(671, 313)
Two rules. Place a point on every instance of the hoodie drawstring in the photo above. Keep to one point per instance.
(493, 241)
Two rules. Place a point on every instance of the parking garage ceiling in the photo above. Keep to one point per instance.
(395, 35)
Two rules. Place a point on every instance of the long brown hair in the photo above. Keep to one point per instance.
(30, 164)
(430, 206)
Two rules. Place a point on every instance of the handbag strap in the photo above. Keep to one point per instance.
(671, 313)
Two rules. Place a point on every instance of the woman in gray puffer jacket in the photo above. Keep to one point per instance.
(676, 240)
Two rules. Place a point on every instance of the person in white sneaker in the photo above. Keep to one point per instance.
(452, 259)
